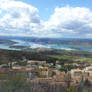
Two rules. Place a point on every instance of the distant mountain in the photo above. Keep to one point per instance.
(6, 41)
(66, 41)
(58, 41)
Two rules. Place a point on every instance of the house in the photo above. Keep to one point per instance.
(32, 62)
(58, 66)
(76, 72)
(81, 75)
(17, 67)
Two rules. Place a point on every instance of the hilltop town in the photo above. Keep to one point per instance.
(51, 76)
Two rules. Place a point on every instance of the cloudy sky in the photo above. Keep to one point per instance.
(46, 18)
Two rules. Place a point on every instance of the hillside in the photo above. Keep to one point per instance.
(48, 55)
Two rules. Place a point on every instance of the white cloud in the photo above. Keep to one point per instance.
(71, 21)
(19, 18)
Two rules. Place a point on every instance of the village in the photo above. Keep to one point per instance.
(45, 77)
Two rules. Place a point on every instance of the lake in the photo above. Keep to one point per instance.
(24, 43)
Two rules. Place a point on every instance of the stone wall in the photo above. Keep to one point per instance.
(47, 85)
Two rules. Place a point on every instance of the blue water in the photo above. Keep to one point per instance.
(53, 46)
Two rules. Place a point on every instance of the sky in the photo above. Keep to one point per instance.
(46, 7)
(46, 18)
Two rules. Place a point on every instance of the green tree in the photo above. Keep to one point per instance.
(66, 68)
(71, 89)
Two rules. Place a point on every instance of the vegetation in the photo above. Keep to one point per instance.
(42, 76)
(71, 89)
(18, 83)
(66, 68)
(50, 56)
(3, 76)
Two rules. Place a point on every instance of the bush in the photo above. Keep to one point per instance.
(17, 83)
(71, 89)
(42, 76)
(3, 76)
